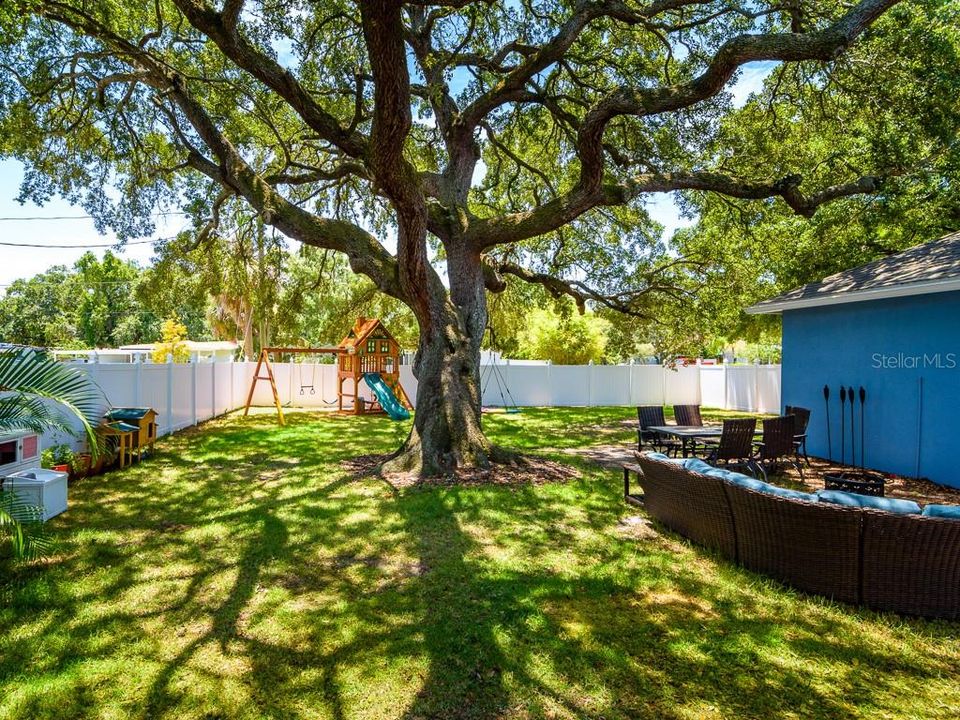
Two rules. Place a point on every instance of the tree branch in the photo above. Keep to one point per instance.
(627, 302)
(224, 32)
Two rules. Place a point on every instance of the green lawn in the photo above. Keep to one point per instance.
(244, 573)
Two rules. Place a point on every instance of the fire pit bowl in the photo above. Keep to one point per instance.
(855, 481)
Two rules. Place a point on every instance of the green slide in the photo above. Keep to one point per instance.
(388, 401)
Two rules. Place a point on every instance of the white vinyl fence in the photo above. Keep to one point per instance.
(184, 395)
(752, 388)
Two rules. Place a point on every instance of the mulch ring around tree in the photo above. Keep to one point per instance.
(524, 470)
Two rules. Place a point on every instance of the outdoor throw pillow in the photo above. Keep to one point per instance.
(942, 511)
(838, 497)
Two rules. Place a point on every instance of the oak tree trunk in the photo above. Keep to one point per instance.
(447, 432)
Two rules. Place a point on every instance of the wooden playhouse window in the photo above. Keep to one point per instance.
(384, 347)
(371, 346)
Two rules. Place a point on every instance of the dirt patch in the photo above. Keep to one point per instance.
(525, 470)
(637, 527)
(171, 527)
(608, 456)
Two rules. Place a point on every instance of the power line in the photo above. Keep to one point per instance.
(119, 243)
(79, 247)
(25, 218)
(85, 283)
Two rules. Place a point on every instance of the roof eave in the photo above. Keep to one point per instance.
(775, 306)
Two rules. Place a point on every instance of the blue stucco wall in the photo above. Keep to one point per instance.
(906, 353)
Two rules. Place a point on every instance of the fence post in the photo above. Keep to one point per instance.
(590, 384)
(213, 389)
(138, 379)
(550, 383)
(726, 387)
(193, 389)
(663, 384)
(169, 393)
(756, 389)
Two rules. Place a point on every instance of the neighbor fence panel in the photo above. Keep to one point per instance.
(153, 394)
(768, 389)
(682, 385)
(609, 384)
(524, 385)
(409, 383)
(569, 384)
(742, 388)
(713, 385)
(223, 400)
(646, 385)
(182, 396)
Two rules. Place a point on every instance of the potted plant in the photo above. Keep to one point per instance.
(59, 458)
(81, 466)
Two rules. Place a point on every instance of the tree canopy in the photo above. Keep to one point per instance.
(446, 147)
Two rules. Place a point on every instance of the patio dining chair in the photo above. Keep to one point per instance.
(802, 416)
(651, 416)
(690, 415)
(687, 415)
(777, 448)
(735, 446)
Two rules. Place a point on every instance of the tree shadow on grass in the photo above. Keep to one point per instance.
(264, 546)
(538, 641)
(325, 595)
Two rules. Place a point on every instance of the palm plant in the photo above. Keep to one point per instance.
(39, 394)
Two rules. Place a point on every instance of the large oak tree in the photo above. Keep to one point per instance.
(481, 139)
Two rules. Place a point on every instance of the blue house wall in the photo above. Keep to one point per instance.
(905, 352)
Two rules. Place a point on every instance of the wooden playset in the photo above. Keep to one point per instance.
(368, 353)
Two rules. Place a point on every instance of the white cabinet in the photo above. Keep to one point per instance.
(46, 489)
(19, 450)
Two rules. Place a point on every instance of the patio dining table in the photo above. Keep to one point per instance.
(687, 433)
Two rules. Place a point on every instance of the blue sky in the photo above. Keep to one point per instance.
(22, 262)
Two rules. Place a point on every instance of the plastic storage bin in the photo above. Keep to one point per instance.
(38, 486)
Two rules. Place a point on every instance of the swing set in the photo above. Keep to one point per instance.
(369, 354)
(263, 362)
(492, 371)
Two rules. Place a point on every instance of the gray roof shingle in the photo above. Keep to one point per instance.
(928, 267)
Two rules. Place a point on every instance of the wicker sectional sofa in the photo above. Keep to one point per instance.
(887, 559)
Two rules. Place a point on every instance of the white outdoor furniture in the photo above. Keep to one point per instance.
(46, 489)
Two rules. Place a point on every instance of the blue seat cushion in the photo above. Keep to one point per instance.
(664, 458)
(791, 494)
(737, 478)
(942, 511)
(697, 465)
(760, 486)
(838, 497)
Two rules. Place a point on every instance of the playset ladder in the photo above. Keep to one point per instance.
(264, 360)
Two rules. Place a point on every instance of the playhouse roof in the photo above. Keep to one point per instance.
(930, 267)
(361, 330)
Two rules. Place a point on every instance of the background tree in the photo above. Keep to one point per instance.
(564, 338)
(305, 112)
(171, 344)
